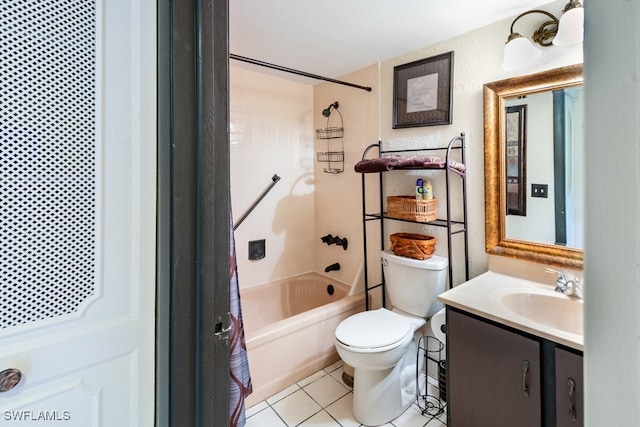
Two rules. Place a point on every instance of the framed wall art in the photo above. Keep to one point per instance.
(422, 92)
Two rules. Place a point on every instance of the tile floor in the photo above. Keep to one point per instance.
(323, 400)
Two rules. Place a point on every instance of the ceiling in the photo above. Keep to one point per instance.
(335, 37)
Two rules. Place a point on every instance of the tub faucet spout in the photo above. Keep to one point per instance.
(332, 267)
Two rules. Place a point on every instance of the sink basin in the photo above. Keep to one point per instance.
(556, 311)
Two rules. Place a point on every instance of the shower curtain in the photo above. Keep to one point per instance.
(240, 384)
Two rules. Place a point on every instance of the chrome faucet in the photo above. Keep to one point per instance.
(569, 288)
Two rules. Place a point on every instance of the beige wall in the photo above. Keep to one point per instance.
(612, 255)
(367, 119)
(477, 60)
(338, 196)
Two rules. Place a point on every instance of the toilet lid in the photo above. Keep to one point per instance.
(372, 329)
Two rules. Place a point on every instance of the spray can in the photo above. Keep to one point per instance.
(419, 189)
(427, 192)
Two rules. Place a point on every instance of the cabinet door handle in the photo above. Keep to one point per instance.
(572, 399)
(525, 378)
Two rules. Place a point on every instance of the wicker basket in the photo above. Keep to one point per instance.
(416, 246)
(412, 209)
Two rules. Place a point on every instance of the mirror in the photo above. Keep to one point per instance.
(526, 155)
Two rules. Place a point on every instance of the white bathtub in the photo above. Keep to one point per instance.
(289, 328)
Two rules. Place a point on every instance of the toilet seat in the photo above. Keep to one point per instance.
(374, 329)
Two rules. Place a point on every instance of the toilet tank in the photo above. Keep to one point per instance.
(413, 285)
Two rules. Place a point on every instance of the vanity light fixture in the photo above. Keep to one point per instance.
(520, 51)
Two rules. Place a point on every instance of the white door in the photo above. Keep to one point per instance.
(77, 212)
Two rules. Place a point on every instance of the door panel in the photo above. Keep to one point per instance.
(488, 384)
(569, 389)
(77, 184)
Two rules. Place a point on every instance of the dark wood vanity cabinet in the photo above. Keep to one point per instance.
(494, 375)
(569, 389)
(500, 377)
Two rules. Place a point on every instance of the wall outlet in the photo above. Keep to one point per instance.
(539, 190)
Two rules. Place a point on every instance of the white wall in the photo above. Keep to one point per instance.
(538, 225)
(612, 290)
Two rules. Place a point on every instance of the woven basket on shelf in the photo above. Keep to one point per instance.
(412, 209)
(416, 246)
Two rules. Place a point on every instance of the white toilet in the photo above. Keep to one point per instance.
(381, 345)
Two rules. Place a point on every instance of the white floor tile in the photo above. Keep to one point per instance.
(410, 418)
(323, 400)
(266, 417)
(334, 366)
(284, 393)
(440, 420)
(296, 408)
(311, 378)
(326, 390)
(337, 374)
(342, 410)
(256, 408)
(321, 419)
(433, 407)
(436, 423)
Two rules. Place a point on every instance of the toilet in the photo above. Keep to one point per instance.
(381, 345)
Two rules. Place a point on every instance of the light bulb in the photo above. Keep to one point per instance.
(519, 52)
(570, 28)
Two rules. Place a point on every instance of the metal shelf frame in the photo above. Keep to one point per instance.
(454, 227)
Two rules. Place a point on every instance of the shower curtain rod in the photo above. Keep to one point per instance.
(293, 71)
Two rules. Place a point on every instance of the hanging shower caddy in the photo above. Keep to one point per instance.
(334, 156)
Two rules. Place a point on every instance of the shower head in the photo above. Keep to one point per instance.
(327, 111)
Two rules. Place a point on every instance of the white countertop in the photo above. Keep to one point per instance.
(483, 294)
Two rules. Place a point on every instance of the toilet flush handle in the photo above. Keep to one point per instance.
(384, 261)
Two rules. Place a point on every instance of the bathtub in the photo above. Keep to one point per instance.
(289, 329)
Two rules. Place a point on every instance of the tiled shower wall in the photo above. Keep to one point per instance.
(271, 125)
(338, 196)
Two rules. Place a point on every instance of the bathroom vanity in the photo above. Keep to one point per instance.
(514, 354)
(514, 346)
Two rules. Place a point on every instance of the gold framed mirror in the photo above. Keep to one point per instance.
(497, 96)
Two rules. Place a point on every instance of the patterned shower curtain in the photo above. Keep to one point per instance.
(240, 384)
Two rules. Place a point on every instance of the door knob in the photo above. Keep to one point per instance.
(9, 378)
